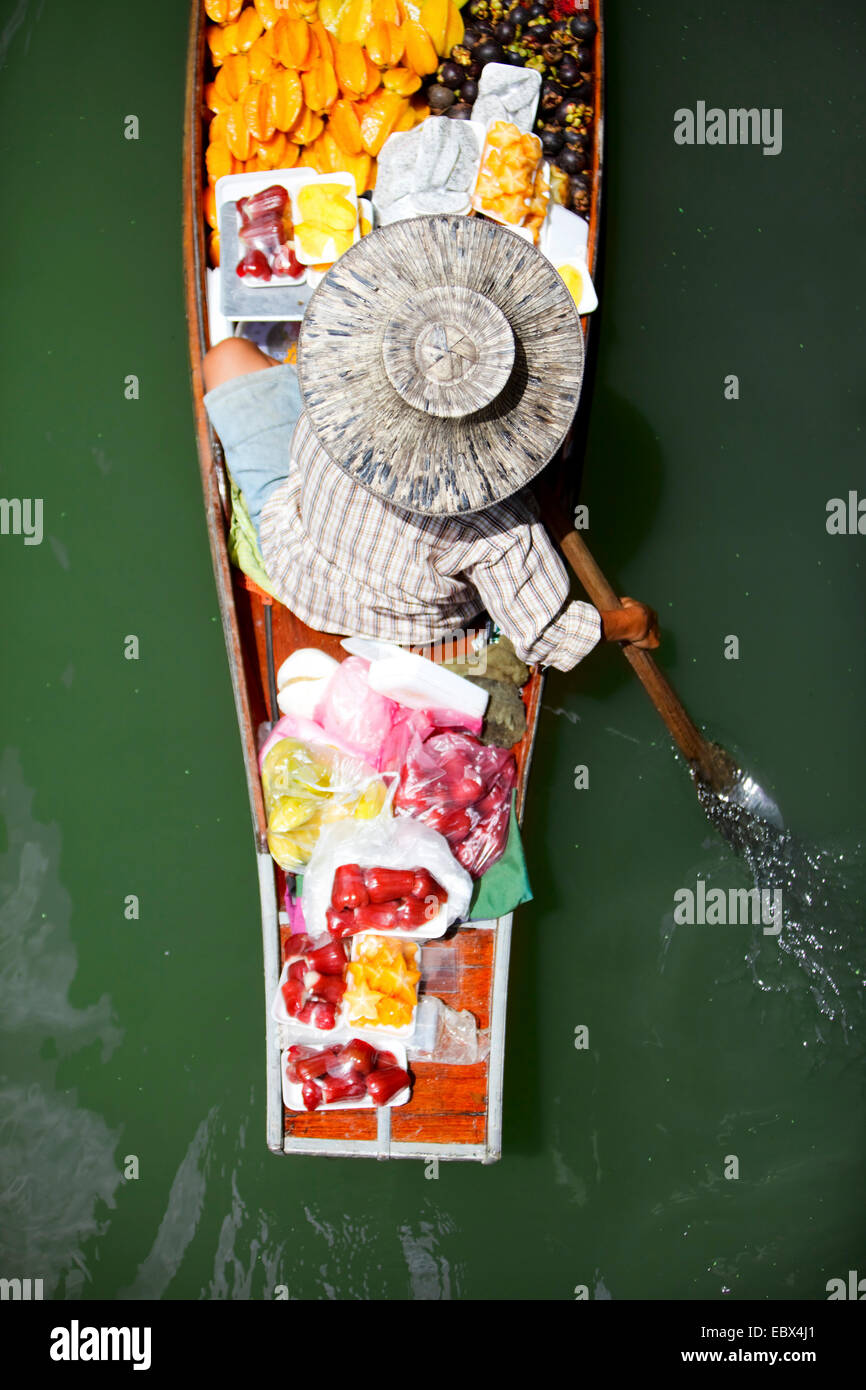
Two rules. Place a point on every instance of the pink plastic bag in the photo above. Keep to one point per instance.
(461, 788)
(351, 711)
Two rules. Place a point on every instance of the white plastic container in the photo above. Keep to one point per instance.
(293, 1096)
(343, 1029)
(420, 684)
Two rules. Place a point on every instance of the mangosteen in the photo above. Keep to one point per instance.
(469, 92)
(551, 53)
(572, 112)
(472, 71)
(451, 75)
(479, 9)
(460, 111)
(568, 71)
(537, 9)
(562, 35)
(513, 55)
(583, 27)
(471, 36)
(551, 140)
(551, 95)
(537, 32)
(440, 97)
(577, 139)
(488, 52)
(571, 160)
(505, 32)
(519, 16)
(460, 54)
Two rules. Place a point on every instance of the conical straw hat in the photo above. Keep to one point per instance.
(440, 363)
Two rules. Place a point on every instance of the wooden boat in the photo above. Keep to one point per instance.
(455, 1112)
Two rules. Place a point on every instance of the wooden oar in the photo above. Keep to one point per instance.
(710, 764)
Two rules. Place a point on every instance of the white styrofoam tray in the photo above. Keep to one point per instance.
(293, 1097)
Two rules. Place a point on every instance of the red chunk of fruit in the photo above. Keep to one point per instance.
(295, 997)
(340, 923)
(330, 989)
(284, 262)
(384, 1085)
(349, 889)
(312, 1095)
(328, 960)
(318, 1015)
(357, 1058)
(377, 917)
(386, 885)
(255, 266)
(341, 1088)
(424, 885)
(412, 913)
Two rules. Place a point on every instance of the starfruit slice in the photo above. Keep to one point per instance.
(306, 128)
(345, 126)
(355, 21)
(238, 137)
(223, 11)
(256, 103)
(233, 76)
(220, 161)
(404, 82)
(420, 53)
(434, 18)
(260, 60)
(292, 42)
(277, 153)
(381, 114)
(248, 28)
(208, 204)
(213, 248)
(320, 86)
(287, 99)
(327, 46)
(385, 43)
(454, 29)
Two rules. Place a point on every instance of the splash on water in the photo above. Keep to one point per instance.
(819, 952)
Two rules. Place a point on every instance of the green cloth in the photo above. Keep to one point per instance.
(243, 543)
(506, 885)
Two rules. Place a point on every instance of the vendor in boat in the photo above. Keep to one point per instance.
(387, 478)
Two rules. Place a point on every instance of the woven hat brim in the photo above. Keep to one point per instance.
(415, 461)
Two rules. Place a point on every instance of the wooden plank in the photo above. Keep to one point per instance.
(407, 1127)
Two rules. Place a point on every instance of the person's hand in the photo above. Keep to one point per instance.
(635, 622)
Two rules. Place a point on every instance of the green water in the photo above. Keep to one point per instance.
(145, 1038)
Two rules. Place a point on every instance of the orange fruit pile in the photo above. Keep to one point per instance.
(382, 982)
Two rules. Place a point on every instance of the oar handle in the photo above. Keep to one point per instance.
(699, 754)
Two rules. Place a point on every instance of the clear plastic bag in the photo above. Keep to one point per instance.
(462, 788)
(383, 843)
(446, 1035)
(306, 788)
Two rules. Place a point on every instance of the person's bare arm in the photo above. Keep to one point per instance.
(233, 357)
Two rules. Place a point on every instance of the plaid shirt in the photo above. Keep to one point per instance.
(344, 561)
